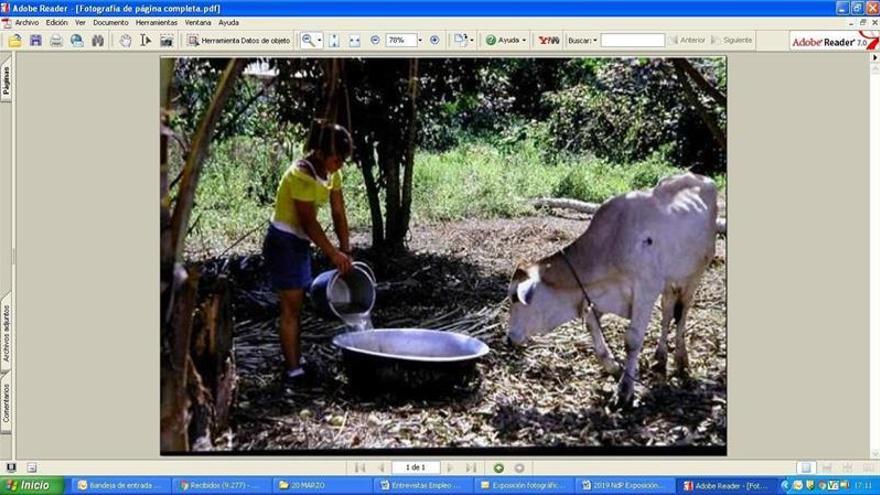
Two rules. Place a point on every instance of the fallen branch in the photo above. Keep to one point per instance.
(566, 204)
(591, 208)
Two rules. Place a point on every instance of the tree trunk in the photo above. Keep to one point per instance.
(213, 380)
(391, 172)
(174, 399)
(694, 101)
(367, 163)
(180, 385)
(700, 81)
(409, 157)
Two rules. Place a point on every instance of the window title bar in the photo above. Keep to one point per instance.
(431, 8)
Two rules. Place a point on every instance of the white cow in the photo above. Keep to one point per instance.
(638, 247)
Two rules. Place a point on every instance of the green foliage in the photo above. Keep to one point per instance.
(490, 133)
(632, 109)
(475, 179)
(598, 180)
(251, 111)
(236, 191)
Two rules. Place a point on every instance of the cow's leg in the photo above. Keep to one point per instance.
(680, 313)
(667, 304)
(643, 303)
(591, 319)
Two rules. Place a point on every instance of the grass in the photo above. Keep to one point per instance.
(473, 180)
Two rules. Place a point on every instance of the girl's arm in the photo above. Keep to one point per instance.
(340, 220)
(305, 211)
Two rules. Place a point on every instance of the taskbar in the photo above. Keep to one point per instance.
(441, 485)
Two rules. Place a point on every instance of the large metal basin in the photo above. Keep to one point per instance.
(409, 359)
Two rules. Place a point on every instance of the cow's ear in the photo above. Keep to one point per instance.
(525, 290)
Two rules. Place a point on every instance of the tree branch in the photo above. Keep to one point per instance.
(198, 152)
(695, 103)
(700, 81)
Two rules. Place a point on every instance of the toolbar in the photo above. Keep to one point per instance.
(310, 41)
(444, 8)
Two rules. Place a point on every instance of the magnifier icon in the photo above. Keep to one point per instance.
(307, 39)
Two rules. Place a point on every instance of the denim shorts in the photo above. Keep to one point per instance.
(288, 259)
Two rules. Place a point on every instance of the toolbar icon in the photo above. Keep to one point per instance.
(76, 41)
(461, 39)
(192, 40)
(56, 41)
(98, 41)
(354, 40)
(14, 41)
(125, 41)
(491, 40)
(166, 40)
(333, 40)
(555, 40)
(375, 39)
(36, 40)
(311, 41)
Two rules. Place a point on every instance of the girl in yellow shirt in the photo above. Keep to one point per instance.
(306, 185)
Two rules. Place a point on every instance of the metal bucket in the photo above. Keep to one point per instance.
(349, 298)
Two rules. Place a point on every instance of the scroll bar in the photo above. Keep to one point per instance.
(874, 256)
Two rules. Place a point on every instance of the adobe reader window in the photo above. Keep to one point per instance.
(440, 247)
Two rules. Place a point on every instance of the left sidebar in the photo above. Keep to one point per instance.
(7, 96)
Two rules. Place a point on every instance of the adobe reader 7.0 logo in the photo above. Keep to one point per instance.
(873, 38)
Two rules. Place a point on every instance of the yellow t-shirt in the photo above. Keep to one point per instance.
(298, 184)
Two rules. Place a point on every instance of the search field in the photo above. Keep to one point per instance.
(633, 40)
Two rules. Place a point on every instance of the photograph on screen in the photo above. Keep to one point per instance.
(443, 255)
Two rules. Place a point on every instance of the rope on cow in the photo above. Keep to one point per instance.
(590, 306)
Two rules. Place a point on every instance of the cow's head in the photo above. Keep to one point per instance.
(537, 305)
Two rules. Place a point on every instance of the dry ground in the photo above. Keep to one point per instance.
(552, 393)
